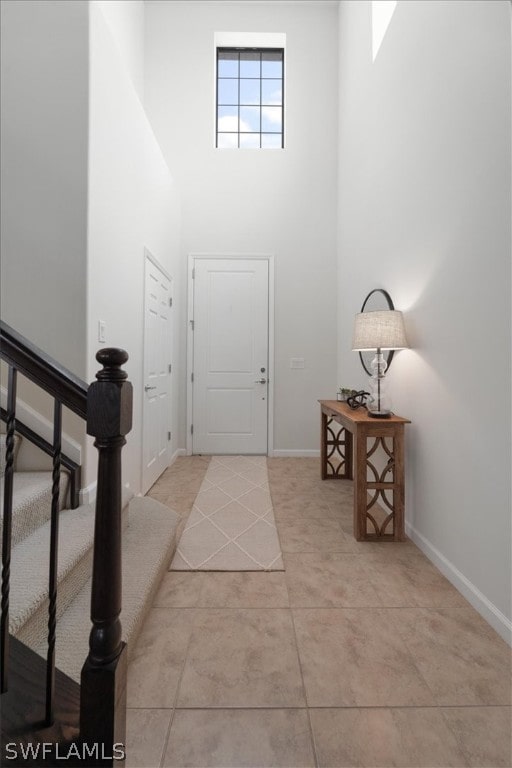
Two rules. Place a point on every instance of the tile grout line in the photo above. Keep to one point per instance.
(277, 527)
(310, 726)
(178, 687)
(292, 617)
(173, 709)
(253, 708)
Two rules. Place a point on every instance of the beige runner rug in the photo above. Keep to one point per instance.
(231, 526)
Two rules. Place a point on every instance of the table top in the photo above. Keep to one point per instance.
(358, 414)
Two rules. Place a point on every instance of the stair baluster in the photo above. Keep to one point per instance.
(53, 565)
(103, 679)
(7, 524)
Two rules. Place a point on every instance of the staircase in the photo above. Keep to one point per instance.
(49, 617)
(148, 542)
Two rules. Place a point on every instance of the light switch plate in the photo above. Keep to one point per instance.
(296, 362)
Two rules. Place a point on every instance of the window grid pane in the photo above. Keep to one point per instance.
(250, 98)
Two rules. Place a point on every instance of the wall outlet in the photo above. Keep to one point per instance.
(102, 331)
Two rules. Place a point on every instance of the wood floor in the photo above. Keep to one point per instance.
(23, 710)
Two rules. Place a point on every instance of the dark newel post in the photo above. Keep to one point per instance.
(103, 682)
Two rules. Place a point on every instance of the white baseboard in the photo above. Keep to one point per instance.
(43, 427)
(88, 494)
(305, 453)
(178, 452)
(479, 601)
(302, 453)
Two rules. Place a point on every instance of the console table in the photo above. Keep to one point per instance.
(350, 440)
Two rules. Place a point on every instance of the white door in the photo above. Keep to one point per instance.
(157, 374)
(230, 369)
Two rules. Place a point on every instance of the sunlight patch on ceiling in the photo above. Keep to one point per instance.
(382, 13)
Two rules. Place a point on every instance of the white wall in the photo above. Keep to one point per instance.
(125, 19)
(424, 211)
(281, 202)
(44, 90)
(84, 190)
(133, 204)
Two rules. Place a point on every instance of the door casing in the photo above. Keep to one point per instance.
(148, 257)
(190, 338)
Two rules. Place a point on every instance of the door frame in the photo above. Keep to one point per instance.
(268, 257)
(148, 256)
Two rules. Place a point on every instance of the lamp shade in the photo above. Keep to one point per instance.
(382, 329)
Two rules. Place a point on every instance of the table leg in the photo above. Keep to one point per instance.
(399, 487)
(335, 450)
(360, 485)
(379, 485)
(323, 446)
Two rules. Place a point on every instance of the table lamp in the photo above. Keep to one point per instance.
(379, 330)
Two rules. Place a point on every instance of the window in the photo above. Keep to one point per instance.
(250, 98)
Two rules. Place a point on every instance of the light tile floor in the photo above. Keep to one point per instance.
(359, 654)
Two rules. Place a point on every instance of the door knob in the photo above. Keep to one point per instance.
(260, 381)
(146, 388)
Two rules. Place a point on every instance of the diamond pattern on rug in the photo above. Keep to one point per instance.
(231, 526)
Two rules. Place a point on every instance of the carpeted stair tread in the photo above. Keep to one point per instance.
(32, 501)
(28, 611)
(30, 562)
(148, 546)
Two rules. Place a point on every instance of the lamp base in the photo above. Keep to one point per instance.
(379, 414)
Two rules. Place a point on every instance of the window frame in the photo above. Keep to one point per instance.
(259, 49)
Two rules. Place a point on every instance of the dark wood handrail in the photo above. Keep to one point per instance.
(42, 369)
(106, 405)
(74, 469)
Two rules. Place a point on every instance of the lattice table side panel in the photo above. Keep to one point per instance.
(337, 450)
(381, 479)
